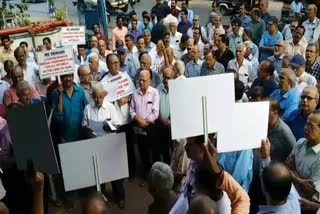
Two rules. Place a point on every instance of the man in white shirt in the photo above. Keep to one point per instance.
(312, 25)
(298, 64)
(175, 36)
(97, 70)
(254, 61)
(296, 45)
(242, 66)
(217, 19)
(181, 49)
(197, 41)
(196, 24)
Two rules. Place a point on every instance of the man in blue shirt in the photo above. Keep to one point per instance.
(125, 64)
(286, 95)
(68, 105)
(298, 118)
(269, 39)
(243, 17)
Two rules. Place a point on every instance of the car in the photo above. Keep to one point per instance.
(231, 6)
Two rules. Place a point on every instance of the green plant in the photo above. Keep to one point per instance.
(60, 15)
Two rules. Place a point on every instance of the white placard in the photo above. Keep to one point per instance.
(77, 160)
(73, 35)
(246, 128)
(185, 97)
(118, 87)
(56, 62)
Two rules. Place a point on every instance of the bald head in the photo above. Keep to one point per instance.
(202, 204)
(277, 182)
(145, 80)
(17, 75)
(93, 42)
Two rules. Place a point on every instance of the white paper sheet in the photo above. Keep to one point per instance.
(246, 129)
(77, 160)
(181, 206)
(186, 103)
(96, 127)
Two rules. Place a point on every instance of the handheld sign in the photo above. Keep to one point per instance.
(56, 62)
(78, 168)
(73, 35)
(118, 87)
(31, 138)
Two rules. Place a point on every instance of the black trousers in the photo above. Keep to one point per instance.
(118, 191)
(163, 141)
(130, 148)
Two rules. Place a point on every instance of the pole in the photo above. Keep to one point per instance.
(205, 119)
(96, 172)
(104, 18)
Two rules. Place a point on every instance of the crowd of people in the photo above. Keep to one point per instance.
(185, 175)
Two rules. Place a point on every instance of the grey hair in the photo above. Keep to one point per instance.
(313, 88)
(98, 87)
(242, 46)
(82, 67)
(314, 6)
(21, 86)
(148, 56)
(248, 44)
(94, 50)
(292, 77)
(161, 177)
(180, 67)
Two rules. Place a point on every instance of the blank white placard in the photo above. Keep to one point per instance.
(247, 127)
(186, 103)
(77, 160)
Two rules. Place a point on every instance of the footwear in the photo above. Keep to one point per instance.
(131, 179)
(143, 184)
(68, 206)
(122, 205)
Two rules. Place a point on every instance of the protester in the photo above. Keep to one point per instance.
(299, 64)
(278, 55)
(119, 32)
(202, 205)
(311, 25)
(174, 10)
(197, 25)
(98, 70)
(312, 65)
(296, 45)
(243, 17)
(189, 14)
(254, 61)
(134, 31)
(97, 33)
(187, 56)
(30, 55)
(103, 52)
(7, 52)
(247, 36)
(257, 25)
(193, 67)
(223, 54)
(84, 74)
(8, 68)
(211, 66)
(82, 55)
(212, 28)
(24, 94)
(265, 16)
(235, 37)
(47, 43)
(289, 29)
(184, 24)
(149, 45)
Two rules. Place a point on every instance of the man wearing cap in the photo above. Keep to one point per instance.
(125, 64)
(296, 45)
(298, 64)
(269, 39)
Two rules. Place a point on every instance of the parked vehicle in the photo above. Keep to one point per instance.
(115, 5)
(232, 6)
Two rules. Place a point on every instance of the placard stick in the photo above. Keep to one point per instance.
(59, 79)
(205, 119)
(96, 172)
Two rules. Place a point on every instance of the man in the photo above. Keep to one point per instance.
(289, 29)
(278, 55)
(187, 56)
(235, 37)
(93, 43)
(47, 43)
(119, 44)
(134, 31)
(298, 64)
(175, 36)
(141, 49)
(160, 9)
(97, 70)
(85, 77)
(223, 54)
(277, 182)
(10, 95)
(4, 85)
(211, 66)
(266, 78)
(202, 204)
(149, 45)
(257, 25)
(97, 33)
(265, 16)
(30, 55)
(174, 10)
(296, 45)
(144, 110)
(184, 24)
(119, 32)
(304, 160)
(312, 25)
(30, 69)
(7, 52)
(312, 65)
(298, 118)
(160, 182)
(130, 47)
(164, 123)
(193, 67)
(243, 17)
(195, 25)
(125, 64)
(158, 29)
(286, 95)
(279, 134)
(82, 55)
(145, 64)
(24, 93)
(269, 39)
(181, 49)
(197, 41)
(100, 111)
(254, 61)
(214, 26)
(103, 52)
(185, 5)
(242, 66)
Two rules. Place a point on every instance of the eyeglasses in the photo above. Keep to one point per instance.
(114, 63)
(307, 97)
(310, 51)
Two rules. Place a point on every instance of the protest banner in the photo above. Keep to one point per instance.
(31, 138)
(56, 62)
(78, 166)
(118, 87)
(186, 112)
(73, 35)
